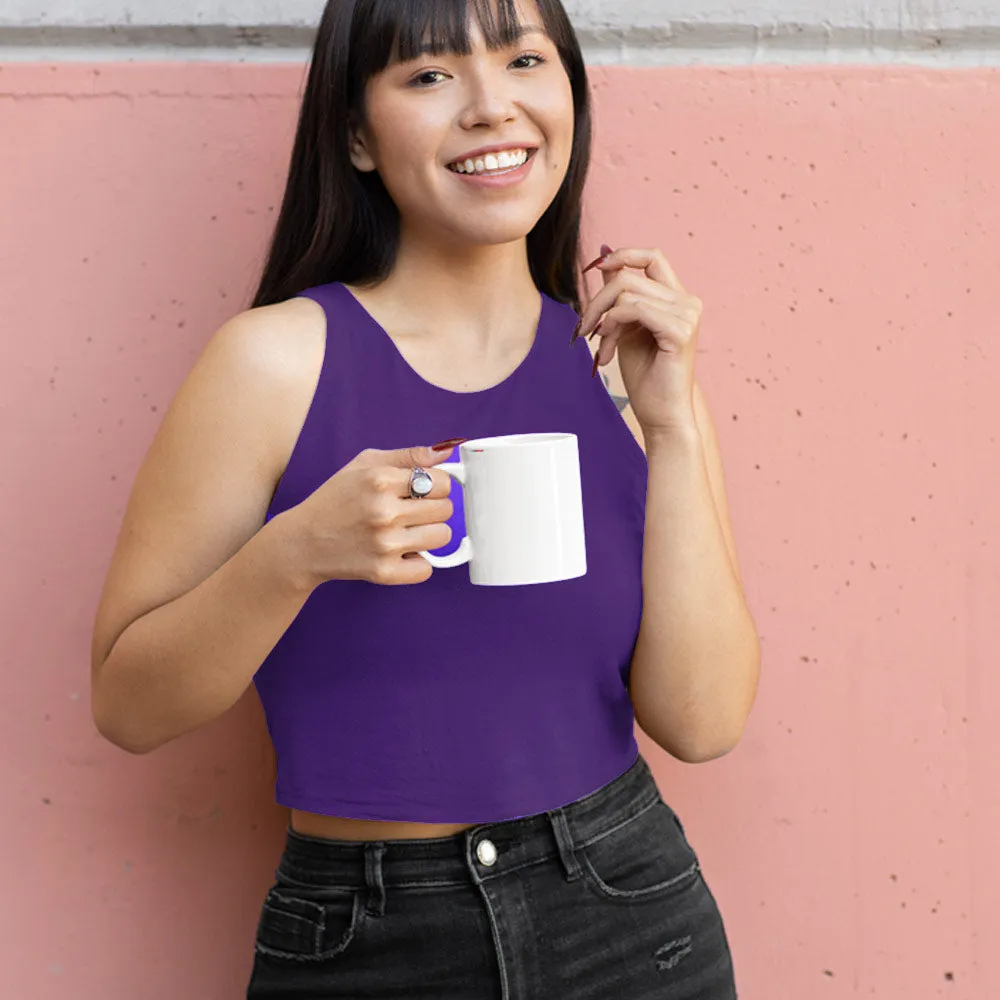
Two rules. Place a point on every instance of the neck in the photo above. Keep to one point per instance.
(480, 297)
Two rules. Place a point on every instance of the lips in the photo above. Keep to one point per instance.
(500, 165)
(478, 154)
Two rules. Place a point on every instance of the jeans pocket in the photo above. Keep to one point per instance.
(298, 928)
(645, 857)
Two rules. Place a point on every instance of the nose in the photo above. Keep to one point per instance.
(490, 102)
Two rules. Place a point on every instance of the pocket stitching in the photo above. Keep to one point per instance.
(620, 826)
(285, 881)
(604, 888)
(319, 927)
(609, 891)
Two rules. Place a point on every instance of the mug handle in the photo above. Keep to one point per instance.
(463, 553)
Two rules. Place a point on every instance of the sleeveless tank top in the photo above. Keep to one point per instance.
(448, 702)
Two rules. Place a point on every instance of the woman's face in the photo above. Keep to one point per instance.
(429, 115)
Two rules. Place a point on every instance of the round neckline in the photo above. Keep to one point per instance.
(532, 351)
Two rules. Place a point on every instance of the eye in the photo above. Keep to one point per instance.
(529, 55)
(421, 81)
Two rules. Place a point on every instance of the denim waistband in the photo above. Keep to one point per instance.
(553, 834)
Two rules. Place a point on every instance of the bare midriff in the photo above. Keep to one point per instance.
(344, 828)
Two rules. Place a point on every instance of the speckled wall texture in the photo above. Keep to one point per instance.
(842, 226)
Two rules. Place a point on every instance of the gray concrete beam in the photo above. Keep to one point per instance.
(630, 32)
(622, 14)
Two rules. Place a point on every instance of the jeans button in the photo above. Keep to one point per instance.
(487, 852)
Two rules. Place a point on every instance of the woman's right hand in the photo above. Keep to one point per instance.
(362, 525)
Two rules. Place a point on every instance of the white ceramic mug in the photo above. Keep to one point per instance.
(523, 510)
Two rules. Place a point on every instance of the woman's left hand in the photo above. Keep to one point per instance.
(652, 321)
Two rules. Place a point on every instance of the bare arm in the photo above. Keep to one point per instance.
(697, 658)
(198, 593)
(187, 662)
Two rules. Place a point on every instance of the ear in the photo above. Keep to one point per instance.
(358, 147)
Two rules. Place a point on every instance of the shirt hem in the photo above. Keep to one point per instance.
(341, 807)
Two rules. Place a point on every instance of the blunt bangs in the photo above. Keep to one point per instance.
(390, 31)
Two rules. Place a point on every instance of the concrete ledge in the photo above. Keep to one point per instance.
(877, 15)
(677, 42)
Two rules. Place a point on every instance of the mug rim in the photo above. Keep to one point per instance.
(501, 441)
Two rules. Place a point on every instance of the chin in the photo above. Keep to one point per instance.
(494, 232)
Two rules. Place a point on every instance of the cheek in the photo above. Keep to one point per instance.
(400, 165)
(559, 115)
(398, 142)
(403, 140)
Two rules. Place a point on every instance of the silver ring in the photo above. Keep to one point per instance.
(420, 483)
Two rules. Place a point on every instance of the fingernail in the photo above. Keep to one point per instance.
(450, 443)
(594, 372)
(595, 331)
(576, 332)
(606, 252)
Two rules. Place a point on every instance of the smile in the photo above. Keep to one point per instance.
(493, 164)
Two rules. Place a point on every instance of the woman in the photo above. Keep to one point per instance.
(469, 813)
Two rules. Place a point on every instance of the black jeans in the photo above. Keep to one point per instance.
(602, 899)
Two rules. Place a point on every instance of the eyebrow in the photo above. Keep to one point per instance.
(519, 32)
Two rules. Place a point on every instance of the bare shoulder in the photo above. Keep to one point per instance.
(256, 377)
(204, 485)
(279, 350)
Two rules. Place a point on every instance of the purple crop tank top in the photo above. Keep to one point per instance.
(445, 702)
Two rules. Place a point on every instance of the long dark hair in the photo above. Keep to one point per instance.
(339, 224)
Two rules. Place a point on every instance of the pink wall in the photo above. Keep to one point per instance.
(843, 229)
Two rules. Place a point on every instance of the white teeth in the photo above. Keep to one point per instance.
(492, 162)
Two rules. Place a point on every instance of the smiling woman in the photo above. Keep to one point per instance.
(417, 80)
(469, 813)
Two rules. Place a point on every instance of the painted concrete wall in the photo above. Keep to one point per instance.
(842, 226)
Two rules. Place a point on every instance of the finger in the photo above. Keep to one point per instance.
(614, 286)
(418, 538)
(654, 262)
(427, 511)
(643, 318)
(648, 289)
(656, 317)
(608, 274)
(605, 251)
(407, 458)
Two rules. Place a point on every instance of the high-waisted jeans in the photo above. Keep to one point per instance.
(601, 899)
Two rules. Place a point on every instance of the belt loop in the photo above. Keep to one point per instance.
(374, 850)
(564, 840)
